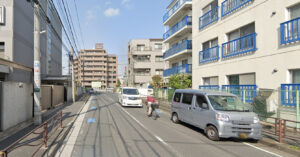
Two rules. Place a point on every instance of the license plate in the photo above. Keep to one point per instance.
(243, 136)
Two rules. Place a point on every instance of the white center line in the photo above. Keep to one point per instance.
(261, 149)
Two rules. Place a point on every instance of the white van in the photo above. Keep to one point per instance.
(130, 97)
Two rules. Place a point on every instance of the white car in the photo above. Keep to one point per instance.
(130, 97)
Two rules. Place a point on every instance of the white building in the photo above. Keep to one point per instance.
(246, 44)
(178, 37)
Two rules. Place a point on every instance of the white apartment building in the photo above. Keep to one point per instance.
(16, 40)
(178, 37)
(247, 44)
(145, 59)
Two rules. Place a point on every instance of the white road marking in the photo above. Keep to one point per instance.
(157, 137)
(261, 149)
(67, 148)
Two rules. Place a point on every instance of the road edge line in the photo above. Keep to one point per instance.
(262, 149)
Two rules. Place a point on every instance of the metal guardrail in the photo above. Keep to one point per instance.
(176, 6)
(289, 31)
(43, 132)
(186, 68)
(208, 18)
(185, 45)
(186, 21)
(209, 55)
(290, 94)
(229, 6)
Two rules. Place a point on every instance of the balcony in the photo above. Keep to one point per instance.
(184, 46)
(176, 8)
(247, 93)
(290, 94)
(186, 21)
(209, 87)
(239, 46)
(209, 55)
(229, 6)
(289, 31)
(187, 69)
(208, 18)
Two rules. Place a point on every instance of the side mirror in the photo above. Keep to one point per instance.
(205, 106)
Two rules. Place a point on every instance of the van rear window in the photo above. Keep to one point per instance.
(177, 97)
(187, 99)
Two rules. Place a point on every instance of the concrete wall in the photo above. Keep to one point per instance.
(69, 93)
(16, 103)
(46, 96)
(57, 95)
(267, 16)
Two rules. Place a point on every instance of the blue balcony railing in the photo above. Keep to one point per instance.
(289, 94)
(239, 46)
(185, 45)
(186, 21)
(228, 6)
(289, 31)
(208, 18)
(209, 55)
(209, 87)
(176, 6)
(247, 92)
(186, 68)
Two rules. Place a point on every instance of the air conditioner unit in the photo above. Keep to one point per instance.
(2, 15)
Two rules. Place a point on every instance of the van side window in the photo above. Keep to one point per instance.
(187, 99)
(200, 101)
(177, 97)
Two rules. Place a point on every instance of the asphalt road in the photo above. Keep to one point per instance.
(104, 128)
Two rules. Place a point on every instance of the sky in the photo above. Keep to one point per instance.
(116, 22)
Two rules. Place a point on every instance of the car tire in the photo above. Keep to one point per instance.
(175, 118)
(212, 133)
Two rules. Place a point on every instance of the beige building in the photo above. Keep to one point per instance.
(95, 65)
(178, 37)
(250, 44)
(145, 59)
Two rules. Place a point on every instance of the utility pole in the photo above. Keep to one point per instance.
(37, 66)
(73, 80)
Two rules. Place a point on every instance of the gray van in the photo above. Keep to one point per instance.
(219, 114)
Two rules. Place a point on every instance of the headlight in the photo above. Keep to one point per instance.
(223, 117)
(124, 97)
(255, 120)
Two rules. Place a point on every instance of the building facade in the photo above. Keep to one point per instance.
(16, 40)
(95, 65)
(145, 59)
(178, 37)
(250, 44)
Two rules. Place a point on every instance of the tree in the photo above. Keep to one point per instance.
(118, 83)
(180, 81)
(157, 81)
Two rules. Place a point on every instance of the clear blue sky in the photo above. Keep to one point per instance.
(116, 22)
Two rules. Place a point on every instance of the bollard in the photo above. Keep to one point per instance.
(297, 109)
(244, 96)
(280, 130)
(45, 135)
(60, 119)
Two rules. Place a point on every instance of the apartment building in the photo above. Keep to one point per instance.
(95, 65)
(247, 45)
(145, 59)
(178, 37)
(16, 40)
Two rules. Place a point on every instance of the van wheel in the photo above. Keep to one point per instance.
(175, 118)
(212, 133)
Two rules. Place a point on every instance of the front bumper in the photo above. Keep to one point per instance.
(137, 103)
(227, 130)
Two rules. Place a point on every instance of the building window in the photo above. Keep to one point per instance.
(211, 80)
(2, 46)
(242, 79)
(142, 72)
(174, 65)
(157, 46)
(140, 47)
(159, 59)
(140, 58)
(234, 80)
(294, 11)
(159, 72)
(2, 15)
(296, 76)
(184, 62)
(243, 31)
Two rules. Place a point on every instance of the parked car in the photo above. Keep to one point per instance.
(130, 97)
(219, 114)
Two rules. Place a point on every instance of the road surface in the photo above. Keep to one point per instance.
(104, 128)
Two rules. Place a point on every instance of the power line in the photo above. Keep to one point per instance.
(75, 3)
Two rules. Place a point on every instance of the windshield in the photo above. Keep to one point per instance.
(227, 103)
(130, 91)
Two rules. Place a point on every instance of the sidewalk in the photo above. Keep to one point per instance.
(31, 143)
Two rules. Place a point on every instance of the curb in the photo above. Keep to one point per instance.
(54, 150)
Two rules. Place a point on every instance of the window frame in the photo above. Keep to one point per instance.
(179, 98)
(182, 99)
(196, 102)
